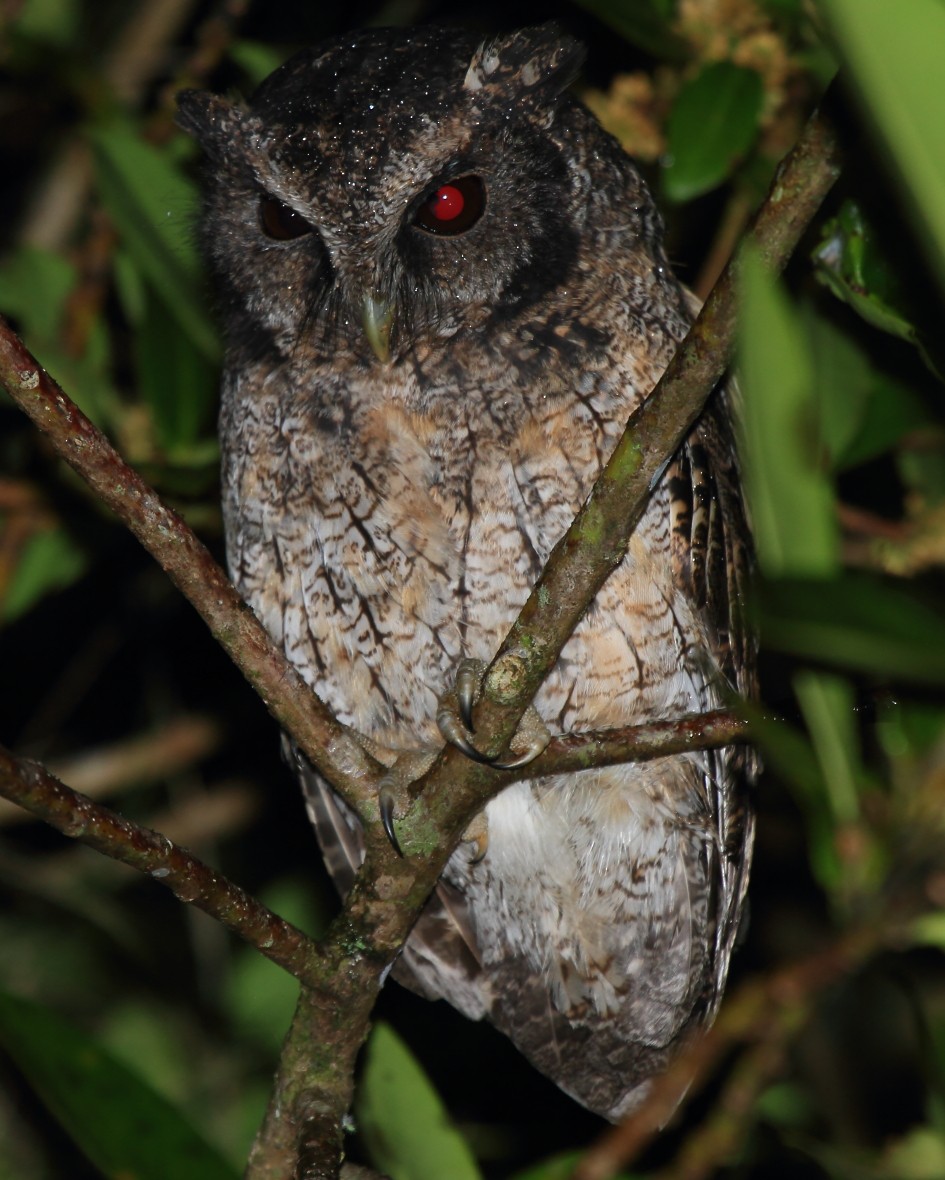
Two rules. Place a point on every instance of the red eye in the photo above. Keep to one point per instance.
(453, 208)
(281, 222)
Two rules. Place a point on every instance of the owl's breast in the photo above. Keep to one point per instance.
(381, 544)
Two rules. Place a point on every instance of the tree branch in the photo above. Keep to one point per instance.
(26, 783)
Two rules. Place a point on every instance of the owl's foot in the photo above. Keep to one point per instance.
(410, 765)
(454, 719)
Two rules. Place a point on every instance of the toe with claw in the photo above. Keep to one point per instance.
(454, 719)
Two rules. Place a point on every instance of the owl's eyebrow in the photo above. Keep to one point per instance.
(284, 193)
(454, 166)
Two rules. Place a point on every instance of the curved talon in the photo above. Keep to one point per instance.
(518, 760)
(385, 802)
(468, 683)
(455, 733)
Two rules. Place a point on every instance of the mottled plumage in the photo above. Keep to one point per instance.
(413, 409)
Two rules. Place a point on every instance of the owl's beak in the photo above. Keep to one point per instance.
(376, 319)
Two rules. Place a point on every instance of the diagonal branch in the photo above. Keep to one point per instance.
(26, 783)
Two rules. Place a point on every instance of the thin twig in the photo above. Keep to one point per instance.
(29, 785)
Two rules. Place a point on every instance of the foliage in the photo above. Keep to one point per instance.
(844, 451)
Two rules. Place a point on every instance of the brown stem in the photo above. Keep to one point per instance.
(638, 743)
(28, 784)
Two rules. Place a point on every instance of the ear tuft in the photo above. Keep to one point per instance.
(210, 119)
(540, 60)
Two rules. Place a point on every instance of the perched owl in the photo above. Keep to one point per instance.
(444, 290)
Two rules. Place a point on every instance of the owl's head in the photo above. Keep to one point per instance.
(392, 186)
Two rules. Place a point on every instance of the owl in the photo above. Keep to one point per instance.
(444, 290)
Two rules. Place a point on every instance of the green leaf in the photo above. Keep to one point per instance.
(713, 123)
(152, 203)
(917, 1155)
(929, 929)
(893, 55)
(644, 23)
(788, 753)
(50, 561)
(790, 495)
(863, 410)
(124, 1127)
(843, 378)
(402, 1119)
(34, 286)
(174, 378)
(855, 622)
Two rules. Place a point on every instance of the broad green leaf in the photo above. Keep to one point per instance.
(786, 1104)
(644, 23)
(50, 561)
(844, 380)
(922, 467)
(893, 410)
(34, 285)
(402, 1119)
(917, 1155)
(174, 378)
(790, 495)
(929, 929)
(862, 410)
(893, 54)
(124, 1127)
(787, 752)
(713, 123)
(152, 204)
(855, 622)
